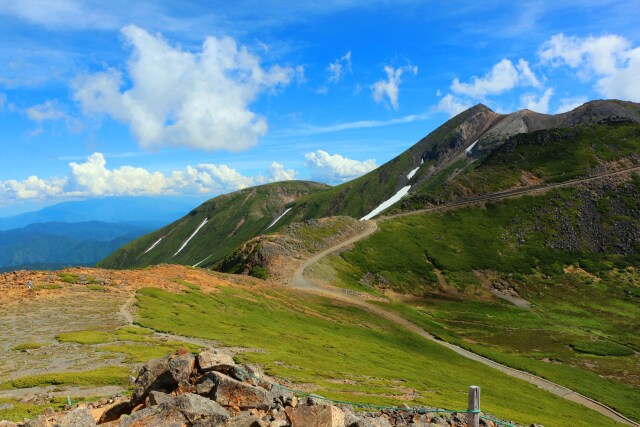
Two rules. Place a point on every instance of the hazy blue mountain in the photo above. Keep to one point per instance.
(151, 212)
(56, 244)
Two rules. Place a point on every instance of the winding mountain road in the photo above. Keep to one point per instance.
(299, 281)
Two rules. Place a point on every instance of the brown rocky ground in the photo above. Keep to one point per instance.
(97, 300)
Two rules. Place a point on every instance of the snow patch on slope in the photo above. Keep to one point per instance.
(412, 173)
(154, 245)
(278, 219)
(198, 263)
(469, 148)
(191, 237)
(387, 203)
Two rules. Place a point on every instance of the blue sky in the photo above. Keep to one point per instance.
(205, 97)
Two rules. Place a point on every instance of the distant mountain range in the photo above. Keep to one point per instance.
(82, 233)
(477, 152)
(149, 212)
(53, 245)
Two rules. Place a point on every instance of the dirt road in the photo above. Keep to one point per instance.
(299, 281)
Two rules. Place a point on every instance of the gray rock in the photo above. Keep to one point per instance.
(373, 422)
(181, 367)
(244, 420)
(77, 418)
(157, 397)
(251, 374)
(40, 421)
(154, 416)
(215, 360)
(6, 406)
(154, 375)
(206, 384)
(231, 393)
(198, 409)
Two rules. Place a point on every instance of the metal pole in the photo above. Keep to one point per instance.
(473, 416)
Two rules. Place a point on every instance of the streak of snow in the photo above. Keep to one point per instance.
(422, 161)
(387, 203)
(154, 245)
(278, 219)
(198, 263)
(413, 172)
(469, 148)
(191, 237)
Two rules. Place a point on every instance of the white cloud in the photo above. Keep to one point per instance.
(390, 88)
(51, 111)
(48, 110)
(624, 82)
(54, 13)
(93, 178)
(277, 172)
(526, 76)
(3, 100)
(568, 104)
(340, 67)
(610, 59)
(335, 168)
(180, 98)
(30, 188)
(539, 104)
(359, 124)
(451, 105)
(502, 77)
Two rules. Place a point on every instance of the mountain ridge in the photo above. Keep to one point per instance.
(463, 147)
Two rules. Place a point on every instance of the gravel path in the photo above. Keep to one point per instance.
(299, 281)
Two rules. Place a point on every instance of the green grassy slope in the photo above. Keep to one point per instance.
(232, 219)
(572, 253)
(358, 197)
(344, 353)
(545, 156)
(562, 147)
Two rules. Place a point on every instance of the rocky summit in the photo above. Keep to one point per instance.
(209, 389)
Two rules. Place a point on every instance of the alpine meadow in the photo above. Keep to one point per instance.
(292, 214)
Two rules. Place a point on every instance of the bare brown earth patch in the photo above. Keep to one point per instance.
(100, 300)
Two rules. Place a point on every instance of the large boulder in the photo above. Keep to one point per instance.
(235, 394)
(181, 367)
(186, 409)
(163, 375)
(315, 416)
(198, 409)
(215, 360)
(154, 375)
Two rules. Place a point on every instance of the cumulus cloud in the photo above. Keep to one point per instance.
(610, 59)
(568, 104)
(173, 97)
(451, 105)
(390, 87)
(502, 77)
(338, 68)
(336, 168)
(93, 178)
(539, 104)
(277, 172)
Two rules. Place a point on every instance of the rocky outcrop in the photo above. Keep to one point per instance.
(210, 390)
(272, 252)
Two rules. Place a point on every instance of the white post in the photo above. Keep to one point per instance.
(473, 418)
